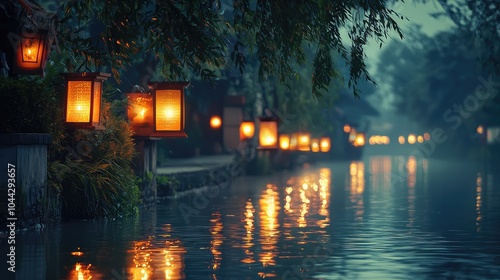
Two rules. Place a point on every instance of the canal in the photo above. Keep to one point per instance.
(384, 217)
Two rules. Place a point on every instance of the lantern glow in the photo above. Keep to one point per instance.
(285, 142)
(31, 52)
(268, 134)
(247, 130)
(359, 140)
(315, 145)
(324, 144)
(168, 109)
(140, 110)
(215, 122)
(304, 142)
(83, 99)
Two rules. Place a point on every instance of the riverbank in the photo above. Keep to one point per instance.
(178, 177)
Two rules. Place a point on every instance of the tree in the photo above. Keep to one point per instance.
(478, 21)
(186, 39)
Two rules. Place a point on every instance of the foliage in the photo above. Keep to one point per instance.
(180, 38)
(99, 181)
(477, 21)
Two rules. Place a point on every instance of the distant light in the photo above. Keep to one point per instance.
(427, 136)
(215, 122)
(420, 139)
(347, 128)
(412, 139)
(385, 140)
(401, 140)
(480, 129)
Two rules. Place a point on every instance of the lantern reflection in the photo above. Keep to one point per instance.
(217, 239)
(141, 269)
(249, 228)
(479, 200)
(269, 226)
(357, 187)
(324, 195)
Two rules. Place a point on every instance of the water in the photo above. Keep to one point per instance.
(379, 218)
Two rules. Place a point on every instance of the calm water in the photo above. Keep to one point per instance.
(380, 218)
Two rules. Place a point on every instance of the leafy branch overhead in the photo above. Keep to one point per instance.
(202, 38)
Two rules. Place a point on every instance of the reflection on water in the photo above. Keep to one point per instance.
(379, 218)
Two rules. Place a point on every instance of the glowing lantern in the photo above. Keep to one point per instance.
(247, 130)
(294, 141)
(268, 134)
(360, 140)
(315, 145)
(32, 50)
(412, 139)
(285, 142)
(480, 129)
(420, 139)
(83, 99)
(324, 144)
(140, 113)
(401, 140)
(215, 122)
(304, 142)
(347, 128)
(168, 109)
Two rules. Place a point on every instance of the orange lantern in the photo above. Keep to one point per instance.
(315, 145)
(215, 122)
(304, 142)
(285, 142)
(324, 144)
(247, 130)
(294, 141)
(359, 140)
(84, 99)
(268, 133)
(168, 109)
(140, 113)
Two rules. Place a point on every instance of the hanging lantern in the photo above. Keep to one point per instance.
(84, 99)
(268, 133)
(31, 53)
(247, 129)
(315, 145)
(215, 122)
(304, 142)
(324, 144)
(285, 141)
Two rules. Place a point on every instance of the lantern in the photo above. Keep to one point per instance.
(324, 144)
(352, 135)
(347, 128)
(294, 141)
(315, 145)
(84, 99)
(268, 133)
(31, 52)
(215, 122)
(304, 142)
(140, 113)
(285, 142)
(247, 130)
(359, 140)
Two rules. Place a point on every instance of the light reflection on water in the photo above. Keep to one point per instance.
(380, 218)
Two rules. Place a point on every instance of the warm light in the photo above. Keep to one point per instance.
(140, 109)
(315, 145)
(324, 144)
(427, 136)
(168, 111)
(83, 99)
(401, 140)
(347, 128)
(385, 140)
(352, 135)
(215, 122)
(420, 139)
(31, 52)
(284, 141)
(268, 134)
(412, 139)
(360, 139)
(247, 130)
(294, 141)
(480, 129)
(304, 142)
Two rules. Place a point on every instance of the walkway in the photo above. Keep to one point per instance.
(194, 164)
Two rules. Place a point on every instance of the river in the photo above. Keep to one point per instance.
(384, 217)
